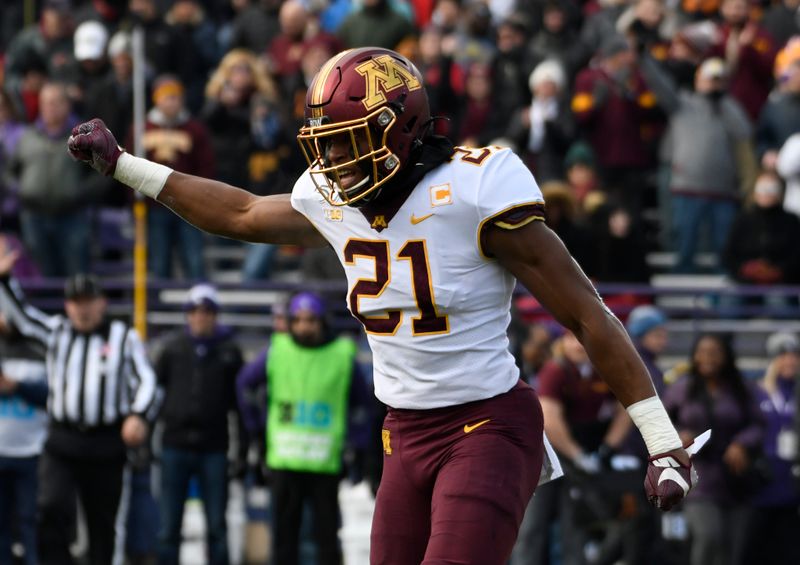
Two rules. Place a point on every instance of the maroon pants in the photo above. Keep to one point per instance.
(456, 481)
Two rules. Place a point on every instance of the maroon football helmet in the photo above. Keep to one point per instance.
(373, 97)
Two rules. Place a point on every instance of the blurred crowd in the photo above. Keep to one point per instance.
(746, 506)
(650, 125)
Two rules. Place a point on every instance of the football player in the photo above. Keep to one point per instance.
(432, 238)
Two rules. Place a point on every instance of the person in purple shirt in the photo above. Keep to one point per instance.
(774, 520)
(713, 394)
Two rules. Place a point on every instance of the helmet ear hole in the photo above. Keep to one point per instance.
(409, 127)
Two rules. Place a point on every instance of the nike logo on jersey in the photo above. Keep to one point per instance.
(468, 428)
(415, 220)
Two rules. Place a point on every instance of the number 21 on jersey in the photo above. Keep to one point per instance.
(414, 251)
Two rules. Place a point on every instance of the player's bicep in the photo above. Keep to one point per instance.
(272, 219)
(539, 260)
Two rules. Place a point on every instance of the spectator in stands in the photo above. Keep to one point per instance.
(255, 25)
(25, 93)
(510, 84)
(599, 27)
(376, 24)
(316, 405)
(55, 192)
(585, 425)
(708, 128)
(107, 12)
(174, 138)
(563, 217)
(713, 395)
(749, 53)
(781, 20)
(535, 539)
(775, 521)
(650, 23)
(197, 369)
(196, 50)
(160, 41)
(230, 91)
(689, 48)
(299, 31)
(647, 327)
(780, 117)
(476, 110)
(111, 99)
(617, 114)
(49, 42)
(90, 40)
(544, 130)
(23, 423)
(444, 80)
(581, 171)
(11, 129)
(619, 245)
(761, 247)
(556, 40)
(788, 167)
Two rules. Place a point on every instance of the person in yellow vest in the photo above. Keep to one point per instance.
(317, 404)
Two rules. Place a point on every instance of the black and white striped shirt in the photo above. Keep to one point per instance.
(95, 379)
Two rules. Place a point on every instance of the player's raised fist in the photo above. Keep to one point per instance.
(93, 143)
(670, 477)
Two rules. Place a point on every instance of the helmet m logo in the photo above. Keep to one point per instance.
(382, 75)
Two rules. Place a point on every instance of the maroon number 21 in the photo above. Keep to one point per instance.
(429, 321)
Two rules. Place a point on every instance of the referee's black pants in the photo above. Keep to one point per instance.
(290, 491)
(98, 485)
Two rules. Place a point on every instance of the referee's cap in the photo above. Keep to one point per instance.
(82, 285)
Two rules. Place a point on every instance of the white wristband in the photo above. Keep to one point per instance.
(655, 426)
(141, 175)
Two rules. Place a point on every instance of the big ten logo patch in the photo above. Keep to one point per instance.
(302, 413)
(441, 194)
(382, 75)
(333, 214)
(15, 408)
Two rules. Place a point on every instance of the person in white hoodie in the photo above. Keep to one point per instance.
(23, 423)
(788, 167)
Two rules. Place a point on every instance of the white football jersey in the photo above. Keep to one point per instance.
(435, 309)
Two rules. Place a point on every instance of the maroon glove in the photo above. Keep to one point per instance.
(92, 142)
(670, 477)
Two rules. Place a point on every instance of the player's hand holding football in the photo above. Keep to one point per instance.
(669, 479)
(93, 143)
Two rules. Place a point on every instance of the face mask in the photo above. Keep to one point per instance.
(716, 94)
(682, 71)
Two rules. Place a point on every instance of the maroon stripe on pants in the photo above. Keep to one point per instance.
(448, 496)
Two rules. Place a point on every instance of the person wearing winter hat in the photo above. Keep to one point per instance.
(647, 327)
(197, 368)
(773, 521)
(318, 407)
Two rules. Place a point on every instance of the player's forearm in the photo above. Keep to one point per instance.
(615, 358)
(210, 205)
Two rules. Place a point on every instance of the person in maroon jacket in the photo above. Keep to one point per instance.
(619, 118)
(749, 52)
(174, 138)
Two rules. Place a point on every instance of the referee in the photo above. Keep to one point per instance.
(101, 390)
